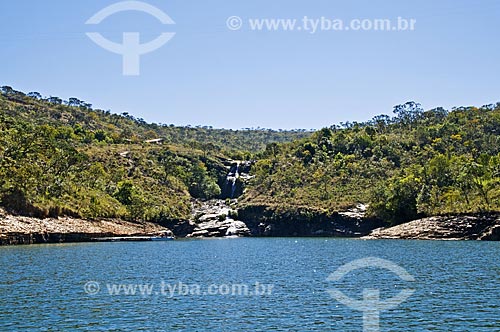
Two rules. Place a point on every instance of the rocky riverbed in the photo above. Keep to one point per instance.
(216, 218)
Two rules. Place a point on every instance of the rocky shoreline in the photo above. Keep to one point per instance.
(220, 218)
(466, 227)
(266, 221)
(28, 230)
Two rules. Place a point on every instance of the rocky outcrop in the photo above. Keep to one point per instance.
(27, 230)
(214, 219)
(180, 228)
(465, 227)
(492, 234)
(218, 228)
(268, 221)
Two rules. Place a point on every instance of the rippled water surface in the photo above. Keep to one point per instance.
(46, 287)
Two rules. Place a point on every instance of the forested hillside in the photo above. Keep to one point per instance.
(103, 126)
(415, 163)
(66, 158)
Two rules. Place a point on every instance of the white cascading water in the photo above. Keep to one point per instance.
(231, 178)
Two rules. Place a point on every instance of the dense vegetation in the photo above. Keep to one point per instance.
(65, 158)
(103, 126)
(416, 163)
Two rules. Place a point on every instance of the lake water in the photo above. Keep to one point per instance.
(197, 285)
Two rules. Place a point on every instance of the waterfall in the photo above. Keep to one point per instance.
(233, 188)
(231, 179)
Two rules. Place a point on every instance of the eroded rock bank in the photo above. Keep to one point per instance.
(214, 218)
(269, 221)
(465, 227)
(220, 218)
(28, 230)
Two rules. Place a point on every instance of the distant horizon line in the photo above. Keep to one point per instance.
(208, 126)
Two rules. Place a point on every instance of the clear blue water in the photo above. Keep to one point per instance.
(457, 285)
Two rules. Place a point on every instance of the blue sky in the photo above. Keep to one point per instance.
(210, 75)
